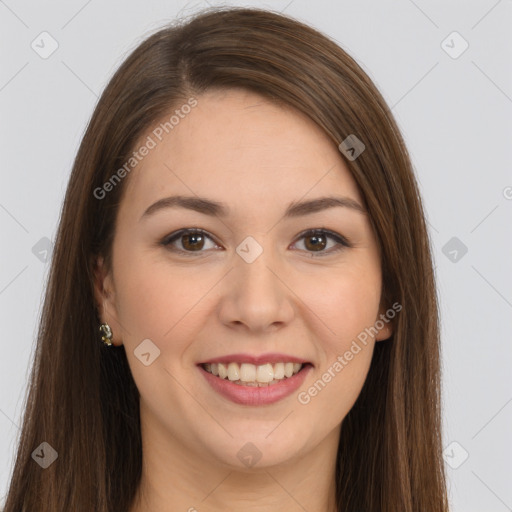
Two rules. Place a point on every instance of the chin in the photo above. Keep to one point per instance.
(251, 449)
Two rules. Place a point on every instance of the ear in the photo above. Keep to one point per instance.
(104, 294)
(384, 324)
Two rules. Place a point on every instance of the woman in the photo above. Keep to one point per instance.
(241, 309)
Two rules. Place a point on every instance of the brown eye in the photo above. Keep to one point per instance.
(316, 240)
(192, 242)
(187, 241)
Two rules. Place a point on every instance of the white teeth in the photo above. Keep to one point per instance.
(233, 371)
(279, 371)
(265, 373)
(247, 372)
(251, 375)
(288, 369)
(223, 372)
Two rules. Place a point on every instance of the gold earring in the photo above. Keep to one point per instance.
(107, 334)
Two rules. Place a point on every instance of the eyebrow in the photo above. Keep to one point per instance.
(215, 208)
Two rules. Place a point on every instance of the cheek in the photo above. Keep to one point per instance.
(344, 350)
(347, 302)
(153, 300)
(157, 303)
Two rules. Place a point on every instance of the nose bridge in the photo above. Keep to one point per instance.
(256, 295)
(252, 267)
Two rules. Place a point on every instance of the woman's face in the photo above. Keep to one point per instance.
(254, 291)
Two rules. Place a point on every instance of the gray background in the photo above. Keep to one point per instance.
(455, 112)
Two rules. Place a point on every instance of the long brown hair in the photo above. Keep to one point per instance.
(82, 399)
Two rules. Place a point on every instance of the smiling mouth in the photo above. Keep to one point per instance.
(246, 374)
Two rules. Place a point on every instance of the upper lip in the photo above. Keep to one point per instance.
(256, 360)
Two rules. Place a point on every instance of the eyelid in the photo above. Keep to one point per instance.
(176, 235)
(341, 240)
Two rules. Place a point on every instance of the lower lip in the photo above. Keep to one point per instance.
(251, 395)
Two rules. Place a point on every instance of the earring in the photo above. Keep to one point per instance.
(107, 334)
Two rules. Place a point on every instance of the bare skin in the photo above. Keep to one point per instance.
(237, 148)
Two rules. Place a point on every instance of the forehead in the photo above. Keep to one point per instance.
(238, 147)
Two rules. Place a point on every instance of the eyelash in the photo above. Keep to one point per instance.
(341, 240)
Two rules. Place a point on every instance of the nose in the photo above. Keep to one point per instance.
(255, 296)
